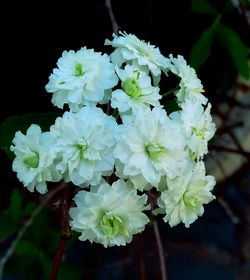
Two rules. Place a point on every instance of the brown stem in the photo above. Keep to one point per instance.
(66, 235)
(160, 251)
(152, 199)
(58, 259)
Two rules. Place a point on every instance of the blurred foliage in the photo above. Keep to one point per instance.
(35, 251)
(228, 38)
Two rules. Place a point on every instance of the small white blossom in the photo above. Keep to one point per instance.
(190, 85)
(85, 142)
(132, 50)
(82, 78)
(34, 159)
(109, 215)
(198, 127)
(149, 147)
(185, 195)
(137, 91)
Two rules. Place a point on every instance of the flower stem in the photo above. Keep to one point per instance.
(160, 251)
(170, 91)
(66, 235)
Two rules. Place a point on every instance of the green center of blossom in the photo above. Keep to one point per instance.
(113, 225)
(78, 70)
(32, 160)
(82, 146)
(132, 88)
(190, 199)
(199, 133)
(154, 151)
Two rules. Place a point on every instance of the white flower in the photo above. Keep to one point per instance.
(185, 195)
(198, 127)
(82, 78)
(109, 215)
(132, 50)
(190, 85)
(150, 147)
(85, 141)
(137, 91)
(34, 159)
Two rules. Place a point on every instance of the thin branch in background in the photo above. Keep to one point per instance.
(66, 235)
(152, 200)
(160, 251)
(115, 26)
(245, 13)
(226, 207)
(231, 150)
(29, 222)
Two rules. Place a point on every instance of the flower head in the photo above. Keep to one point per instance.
(137, 91)
(198, 127)
(132, 50)
(109, 215)
(85, 140)
(185, 195)
(34, 161)
(190, 85)
(82, 78)
(149, 147)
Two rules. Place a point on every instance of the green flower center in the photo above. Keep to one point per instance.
(78, 70)
(113, 225)
(82, 146)
(191, 199)
(32, 160)
(154, 151)
(132, 88)
(199, 133)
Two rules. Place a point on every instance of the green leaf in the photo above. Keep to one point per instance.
(27, 248)
(236, 48)
(10, 125)
(201, 49)
(40, 228)
(171, 106)
(68, 272)
(29, 208)
(15, 205)
(7, 228)
(204, 7)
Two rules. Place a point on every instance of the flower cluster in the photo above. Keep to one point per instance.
(117, 140)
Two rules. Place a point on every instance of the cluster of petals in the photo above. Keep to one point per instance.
(136, 144)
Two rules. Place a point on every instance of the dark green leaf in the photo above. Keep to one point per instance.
(27, 248)
(7, 228)
(237, 50)
(201, 49)
(171, 106)
(40, 228)
(30, 206)
(68, 272)
(15, 205)
(10, 125)
(203, 6)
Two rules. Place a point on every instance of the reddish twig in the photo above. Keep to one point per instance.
(152, 199)
(66, 235)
